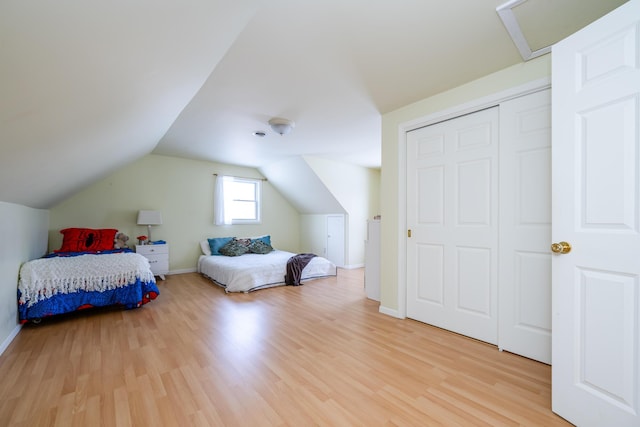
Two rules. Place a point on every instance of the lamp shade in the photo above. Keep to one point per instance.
(149, 218)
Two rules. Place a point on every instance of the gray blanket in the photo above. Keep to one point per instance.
(295, 265)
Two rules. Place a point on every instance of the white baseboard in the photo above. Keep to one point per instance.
(182, 271)
(352, 266)
(390, 312)
(9, 339)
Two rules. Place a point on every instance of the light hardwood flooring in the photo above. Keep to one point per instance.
(319, 354)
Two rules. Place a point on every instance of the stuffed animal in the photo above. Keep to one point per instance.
(120, 241)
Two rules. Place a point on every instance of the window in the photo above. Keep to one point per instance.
(237, 200)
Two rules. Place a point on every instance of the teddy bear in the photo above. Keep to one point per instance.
(120, 241)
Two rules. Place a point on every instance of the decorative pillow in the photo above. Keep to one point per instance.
(204, 246)
(234, 248)
(87, 239)
(259, 247)
(218, 242)
(244, 241)
(266, 238)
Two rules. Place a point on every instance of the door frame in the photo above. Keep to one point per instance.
(430, 119)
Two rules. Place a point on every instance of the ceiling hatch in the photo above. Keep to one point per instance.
(535, 25)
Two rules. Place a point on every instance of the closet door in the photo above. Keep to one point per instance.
(452, 212)
(525, 226)
(335, 239)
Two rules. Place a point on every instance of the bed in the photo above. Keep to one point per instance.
(252, 271)
(70, 280)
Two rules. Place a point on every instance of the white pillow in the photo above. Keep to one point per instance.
(206, 249)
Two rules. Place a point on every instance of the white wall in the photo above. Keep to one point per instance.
(24, 237)
(182, 190)
(313, 234)
(393, 172)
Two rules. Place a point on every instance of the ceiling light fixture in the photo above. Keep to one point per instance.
(281, 126)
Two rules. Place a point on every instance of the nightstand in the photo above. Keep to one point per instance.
(158, 256)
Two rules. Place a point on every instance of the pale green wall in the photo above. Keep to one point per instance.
(392, 172)
(182, 190)
(357, 189)
(24, 233)
(313, 232)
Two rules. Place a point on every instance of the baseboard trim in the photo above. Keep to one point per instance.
(182, 271)
(10, 338)
(352, 266)
(390, 312)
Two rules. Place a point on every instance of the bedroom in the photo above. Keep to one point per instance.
(25, 236)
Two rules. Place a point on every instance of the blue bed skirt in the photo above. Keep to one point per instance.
(131, 296)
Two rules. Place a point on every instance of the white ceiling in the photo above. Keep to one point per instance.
(86, 86)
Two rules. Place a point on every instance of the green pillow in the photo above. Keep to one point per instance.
(234, 248)
(259, 247)
(266, 238)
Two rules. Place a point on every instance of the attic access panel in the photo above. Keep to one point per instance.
(535, 25)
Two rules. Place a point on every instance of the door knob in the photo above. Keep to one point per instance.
(560, 248)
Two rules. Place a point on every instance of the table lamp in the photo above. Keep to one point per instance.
(149, 218)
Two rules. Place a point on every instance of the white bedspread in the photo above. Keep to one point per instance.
(255, 271)
(45, 277)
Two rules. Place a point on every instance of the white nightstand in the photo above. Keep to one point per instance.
(158, 256)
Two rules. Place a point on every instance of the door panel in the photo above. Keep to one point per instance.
(609, 203)
(474, 281)
(596, 208)
(430, 268)
(431, 184)
(525, 226)
(473, 191)
(335, 239)
(452, 254)
(606, 300)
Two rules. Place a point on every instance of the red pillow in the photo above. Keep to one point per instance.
(87, 239)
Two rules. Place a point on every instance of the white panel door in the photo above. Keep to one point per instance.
(452, 183)
(596, 208)
(335, 239)
(524, 290)
(372, 260)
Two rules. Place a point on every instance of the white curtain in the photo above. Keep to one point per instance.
(221, 216)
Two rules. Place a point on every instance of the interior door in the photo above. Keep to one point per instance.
(452, 183)
(524, 289)
(372, 260)
(596, 204)
(335, 239)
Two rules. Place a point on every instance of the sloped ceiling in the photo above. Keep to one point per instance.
(87, 86)
(307, 193)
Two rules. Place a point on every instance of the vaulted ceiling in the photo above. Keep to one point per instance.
(87, 86)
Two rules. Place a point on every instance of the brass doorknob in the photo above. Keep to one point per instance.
(561, 248)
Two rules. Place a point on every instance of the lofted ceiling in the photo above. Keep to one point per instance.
(87, 86)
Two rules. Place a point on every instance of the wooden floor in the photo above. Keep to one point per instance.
(318, 354)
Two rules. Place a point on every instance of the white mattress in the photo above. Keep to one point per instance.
(250, 272)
